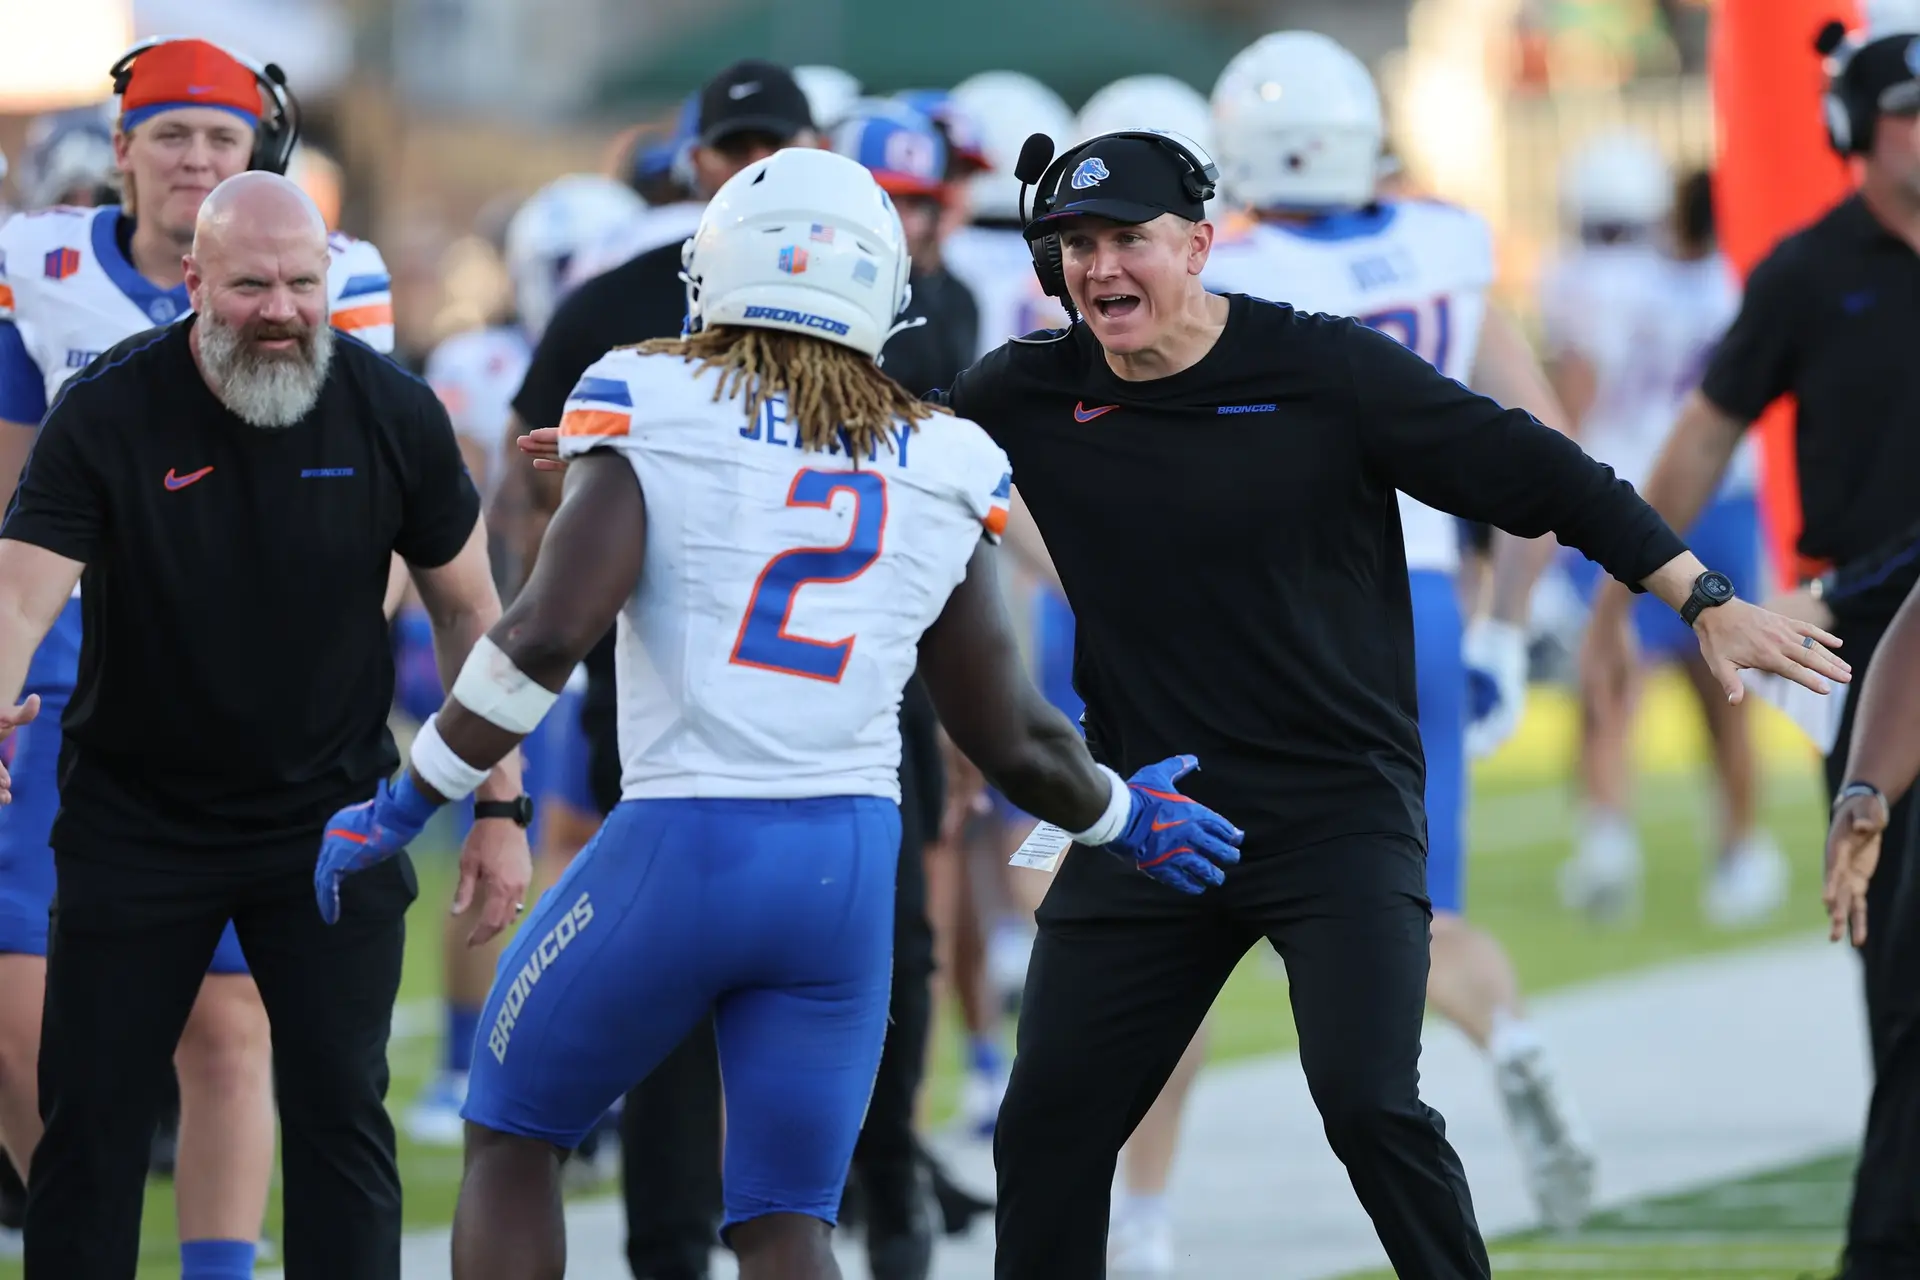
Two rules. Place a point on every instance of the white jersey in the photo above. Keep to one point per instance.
(476, 374)
(996, 265)
(784, 591)
(1418, 270)
(661, 224)
(1647, 325)
(71, 294)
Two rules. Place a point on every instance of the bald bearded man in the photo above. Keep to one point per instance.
(228, 490)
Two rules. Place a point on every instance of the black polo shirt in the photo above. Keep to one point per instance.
(235, 674)
(1832, 317)
(1229, 539)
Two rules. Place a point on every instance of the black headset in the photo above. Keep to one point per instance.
(1849, 120)
(279, 128)
(1200, 180)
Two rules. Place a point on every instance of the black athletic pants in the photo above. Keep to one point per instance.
(670, 1127)
(1123, 972)
(132, 934)
(1883, 1229)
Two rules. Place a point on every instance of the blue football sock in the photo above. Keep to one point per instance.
(462, 1024)
(983, 1053)
(216, 1259)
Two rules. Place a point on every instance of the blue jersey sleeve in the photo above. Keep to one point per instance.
(23, 393)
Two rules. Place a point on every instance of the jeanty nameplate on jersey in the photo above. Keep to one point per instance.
(1042, 849)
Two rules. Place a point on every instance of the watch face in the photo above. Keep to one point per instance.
(1716, 586)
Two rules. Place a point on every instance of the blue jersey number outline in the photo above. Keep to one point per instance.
(763, 640)
(1426, 329)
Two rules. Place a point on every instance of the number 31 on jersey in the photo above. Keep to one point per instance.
(763, 640)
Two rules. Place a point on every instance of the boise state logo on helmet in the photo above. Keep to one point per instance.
(1090, 172)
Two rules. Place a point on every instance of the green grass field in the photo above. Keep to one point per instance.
(1780, 1225)
(1520, 829)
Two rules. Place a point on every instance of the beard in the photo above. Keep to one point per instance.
(268, 389)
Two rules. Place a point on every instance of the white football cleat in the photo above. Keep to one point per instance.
(1748, 886)
(1602, 879)
(434, 1119)
(980, 1102)
(1554, 1149)
(1140, 1247)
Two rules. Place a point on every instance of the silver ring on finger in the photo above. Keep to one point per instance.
(1806, 642)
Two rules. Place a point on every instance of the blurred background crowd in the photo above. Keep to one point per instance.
(428, 121)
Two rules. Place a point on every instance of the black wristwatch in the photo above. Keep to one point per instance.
(519, 810)
(1709, 590)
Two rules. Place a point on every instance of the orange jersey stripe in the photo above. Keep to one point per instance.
(363, 317)
(6, 296)
(594, 422)
(996, 521)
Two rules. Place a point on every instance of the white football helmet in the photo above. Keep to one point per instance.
(806, 241)
(1005, 109)
(566, 217)
(830, 91)
(1148, 102)
(67, 151)
(1297, 124)
(1617, 178)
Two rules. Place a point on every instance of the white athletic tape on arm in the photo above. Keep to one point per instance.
(1114, 820)
(439, 767)
(500, 693)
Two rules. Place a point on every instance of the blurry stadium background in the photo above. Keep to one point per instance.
(426, 122)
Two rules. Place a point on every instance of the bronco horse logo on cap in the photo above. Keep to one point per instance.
(1090, 173)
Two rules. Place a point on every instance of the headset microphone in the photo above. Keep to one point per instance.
(1033, 168)
(1036, 153)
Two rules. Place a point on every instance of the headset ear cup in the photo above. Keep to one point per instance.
(1839, 121)
(1055, 278)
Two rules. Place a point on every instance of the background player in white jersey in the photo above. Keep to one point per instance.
(1631, 316)
(1298, 125)
(74, 282)
(476, 374)
(739, 498)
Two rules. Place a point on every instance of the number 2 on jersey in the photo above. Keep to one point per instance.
(763, 640)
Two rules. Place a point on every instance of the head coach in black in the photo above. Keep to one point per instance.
(670, 1126)
(1832, 317)
(229, 492)
(1214, 478)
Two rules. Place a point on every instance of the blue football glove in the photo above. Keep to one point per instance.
(1173, 838)
(365, 835)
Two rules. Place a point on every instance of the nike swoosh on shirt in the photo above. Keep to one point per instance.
(180, 482)
(1083, 414)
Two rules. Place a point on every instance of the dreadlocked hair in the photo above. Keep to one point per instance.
(837, 397)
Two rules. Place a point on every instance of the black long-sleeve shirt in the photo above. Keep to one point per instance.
(1230, 543)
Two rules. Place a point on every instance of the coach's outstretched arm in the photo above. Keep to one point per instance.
(1882, 762)
(593, 553)
(1461, 453)
(35, 584)
(1030, 751)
